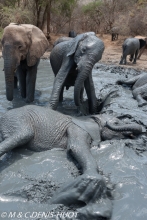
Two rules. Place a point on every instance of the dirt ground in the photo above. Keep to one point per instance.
(112, 52)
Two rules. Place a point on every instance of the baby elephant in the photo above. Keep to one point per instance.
(131, 47)
(139, 87)
(39, 129)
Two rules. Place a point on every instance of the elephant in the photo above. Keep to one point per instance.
(114, 33)
(72, 62)
(131, 47)
(139, 87)
(143, 47)
(72, 34)
(22, 47)
(41, 128)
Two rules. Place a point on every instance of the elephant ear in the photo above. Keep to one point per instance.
(73, 44)
(142, 43)
(39, 45)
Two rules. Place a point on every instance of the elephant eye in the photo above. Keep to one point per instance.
(19, 47)
(83, 49)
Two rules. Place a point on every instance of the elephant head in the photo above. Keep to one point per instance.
(87, 50)
(20, 42)
(113, 128)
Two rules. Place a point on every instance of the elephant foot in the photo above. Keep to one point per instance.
(84, 189)
(134, 62)
(94, 211)
(29, 100)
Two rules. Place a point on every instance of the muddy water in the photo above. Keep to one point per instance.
(28, 179)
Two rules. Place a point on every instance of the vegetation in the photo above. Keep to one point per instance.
(58, 16)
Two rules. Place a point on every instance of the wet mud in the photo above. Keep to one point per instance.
(28, 179)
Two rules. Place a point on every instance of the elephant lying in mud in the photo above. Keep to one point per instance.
(22, 47)
(139, 87)
(72, 61)
(131, 47)
(41, 128)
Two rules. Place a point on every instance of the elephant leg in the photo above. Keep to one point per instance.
(131, 57)
(30, 83)
(59, 81)
(88, 186)
(135, 58)
(15, 82)
(141, 52)
(137, 95)
(20, 138)
(22, 81)
(90, 91)
(123, 60)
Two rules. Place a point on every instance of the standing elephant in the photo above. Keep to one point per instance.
(41, 128)
(139, 87)
(143, 45)
(22, 47)
(114, 33)
(72, 62)
(131, 47)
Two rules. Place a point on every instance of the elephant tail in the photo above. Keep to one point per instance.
(134, 128)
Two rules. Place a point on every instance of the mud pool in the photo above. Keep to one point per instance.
(28, 179)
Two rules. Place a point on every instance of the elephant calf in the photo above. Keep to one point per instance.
(131, 47)
(139, 87)
(72, 61)
(41, 128)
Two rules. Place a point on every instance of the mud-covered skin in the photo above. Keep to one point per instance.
(40, 129)
(139, 88)
(130, 47)
(76, 58)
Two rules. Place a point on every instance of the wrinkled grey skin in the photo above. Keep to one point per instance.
(72, 62)
(139, 87)
(22, 47)
(130, 47)
(72, 34)
(39, 129)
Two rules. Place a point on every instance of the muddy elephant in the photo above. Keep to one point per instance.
(41, 128)
(142, 46)
(72, 62)
(139, 87)
(22, 47)
(131, 47)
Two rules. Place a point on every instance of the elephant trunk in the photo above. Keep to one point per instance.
(9, 68)
(83, 73)
(134, 128)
